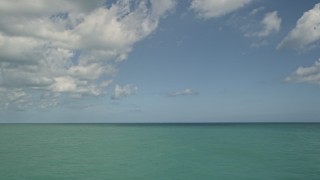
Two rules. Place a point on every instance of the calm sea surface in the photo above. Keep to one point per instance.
(152, 152)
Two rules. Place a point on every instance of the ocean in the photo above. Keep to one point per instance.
(159, 151)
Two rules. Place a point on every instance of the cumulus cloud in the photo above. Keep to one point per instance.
(271, 23)
(67, 47)
(306, 33)
(306, 74)
(215, 8)
(251, 27)
(258, 29)
(183, 92)
(123, 91)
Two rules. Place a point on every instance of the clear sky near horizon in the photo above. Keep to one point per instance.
(159, 61)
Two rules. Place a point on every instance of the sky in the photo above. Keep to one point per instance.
(114, 61)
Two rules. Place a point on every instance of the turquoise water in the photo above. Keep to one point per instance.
(152, 152)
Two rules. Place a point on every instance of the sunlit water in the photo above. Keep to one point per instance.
(159, 152)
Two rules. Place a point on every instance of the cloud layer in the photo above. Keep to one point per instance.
(215, 8)
(68, 48)
(306, 32)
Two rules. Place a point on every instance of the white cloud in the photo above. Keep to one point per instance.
(306, 32)
(306, 74)
(16, 99)
(251, 27)
(271, 23)
(256, 11)
(159, 8)
(43, 7)
(183, 92)
(215, 8)
(70, 47)
(126, 90)
(255, 28)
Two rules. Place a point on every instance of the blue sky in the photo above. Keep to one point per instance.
(160, 61)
